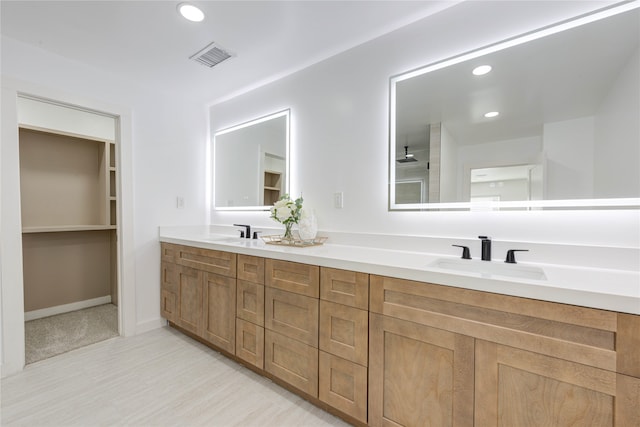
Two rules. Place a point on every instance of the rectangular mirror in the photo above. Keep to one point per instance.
(551, 121)
(251, 163)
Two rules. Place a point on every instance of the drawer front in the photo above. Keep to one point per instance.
(343, 385)
(218, 262)
(289, 276)
(250, 302)
(344, 332)
(345, 287)
(168, 252)
(251, 269)
(250, 343)
(578, 334)
(293, 315)
(291, 361)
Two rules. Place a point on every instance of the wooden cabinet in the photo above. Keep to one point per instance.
(291, 323)
(344, 341)
(168, 291)
(250, 310)
(387, 351)
(534, 362)
(195, 298)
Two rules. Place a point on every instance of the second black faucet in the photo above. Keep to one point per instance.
(486, 248)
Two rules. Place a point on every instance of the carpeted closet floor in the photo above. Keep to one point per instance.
(58, 334)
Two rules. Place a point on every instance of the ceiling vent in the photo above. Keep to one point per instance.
(211, 55)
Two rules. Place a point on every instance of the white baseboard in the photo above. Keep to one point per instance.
(59, 309)
(150, 325)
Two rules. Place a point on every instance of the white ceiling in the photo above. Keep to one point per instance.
(148, 42)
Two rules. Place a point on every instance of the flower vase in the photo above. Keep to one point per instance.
(288, 232)
(308, 225)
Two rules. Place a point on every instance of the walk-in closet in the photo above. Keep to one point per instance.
(69, 200)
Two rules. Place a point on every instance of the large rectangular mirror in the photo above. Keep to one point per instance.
(545, 120)
(251, 163)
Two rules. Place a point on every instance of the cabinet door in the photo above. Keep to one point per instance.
(250, 343)
(344, 331)
(291, 361)
(345, 287)
(293, 315)
(418, 375)
(189, 299)
(250, 302)
(168, 291)
(220, 311)
(251, 269)
(293, 277)
(521, 388)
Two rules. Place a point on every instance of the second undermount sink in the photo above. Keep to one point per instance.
(225, 239)
(490, 268)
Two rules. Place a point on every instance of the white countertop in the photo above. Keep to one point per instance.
(609, 289)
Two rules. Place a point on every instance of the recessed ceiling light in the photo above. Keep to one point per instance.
(481, 70)
(190, 12)
(491, 114)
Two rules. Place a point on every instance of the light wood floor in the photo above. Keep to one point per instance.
(161, 378)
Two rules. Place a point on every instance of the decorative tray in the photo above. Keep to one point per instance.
(297, 242)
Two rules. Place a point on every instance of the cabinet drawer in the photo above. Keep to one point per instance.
(293, 315)
(345, 287)
(579, 334)
(250, 343)
(343, 385)
(218, 262)
(251, 269)
(293, 277)
(250, 302)
(344, 331)
(168, 252)
(291, 361)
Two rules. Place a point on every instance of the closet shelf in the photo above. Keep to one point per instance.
(65, 228)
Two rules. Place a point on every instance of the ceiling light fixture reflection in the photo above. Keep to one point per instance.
(190, 12)
(481, 70)
(491, 114)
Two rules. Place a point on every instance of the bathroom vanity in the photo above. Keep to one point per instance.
(384, 337)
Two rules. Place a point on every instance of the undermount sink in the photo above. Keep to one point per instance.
(225, 239)
(489, 268)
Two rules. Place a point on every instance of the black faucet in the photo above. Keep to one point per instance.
(246, 234)
(486, 248)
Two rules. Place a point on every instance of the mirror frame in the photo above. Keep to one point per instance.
(283, 113)
(611, 203)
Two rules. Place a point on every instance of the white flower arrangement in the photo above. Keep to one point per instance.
(287, 212)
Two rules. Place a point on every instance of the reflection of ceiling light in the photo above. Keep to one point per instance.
(491, 114)
(481, 70)
(190, 12)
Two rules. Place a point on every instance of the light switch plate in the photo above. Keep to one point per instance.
(338, 200)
